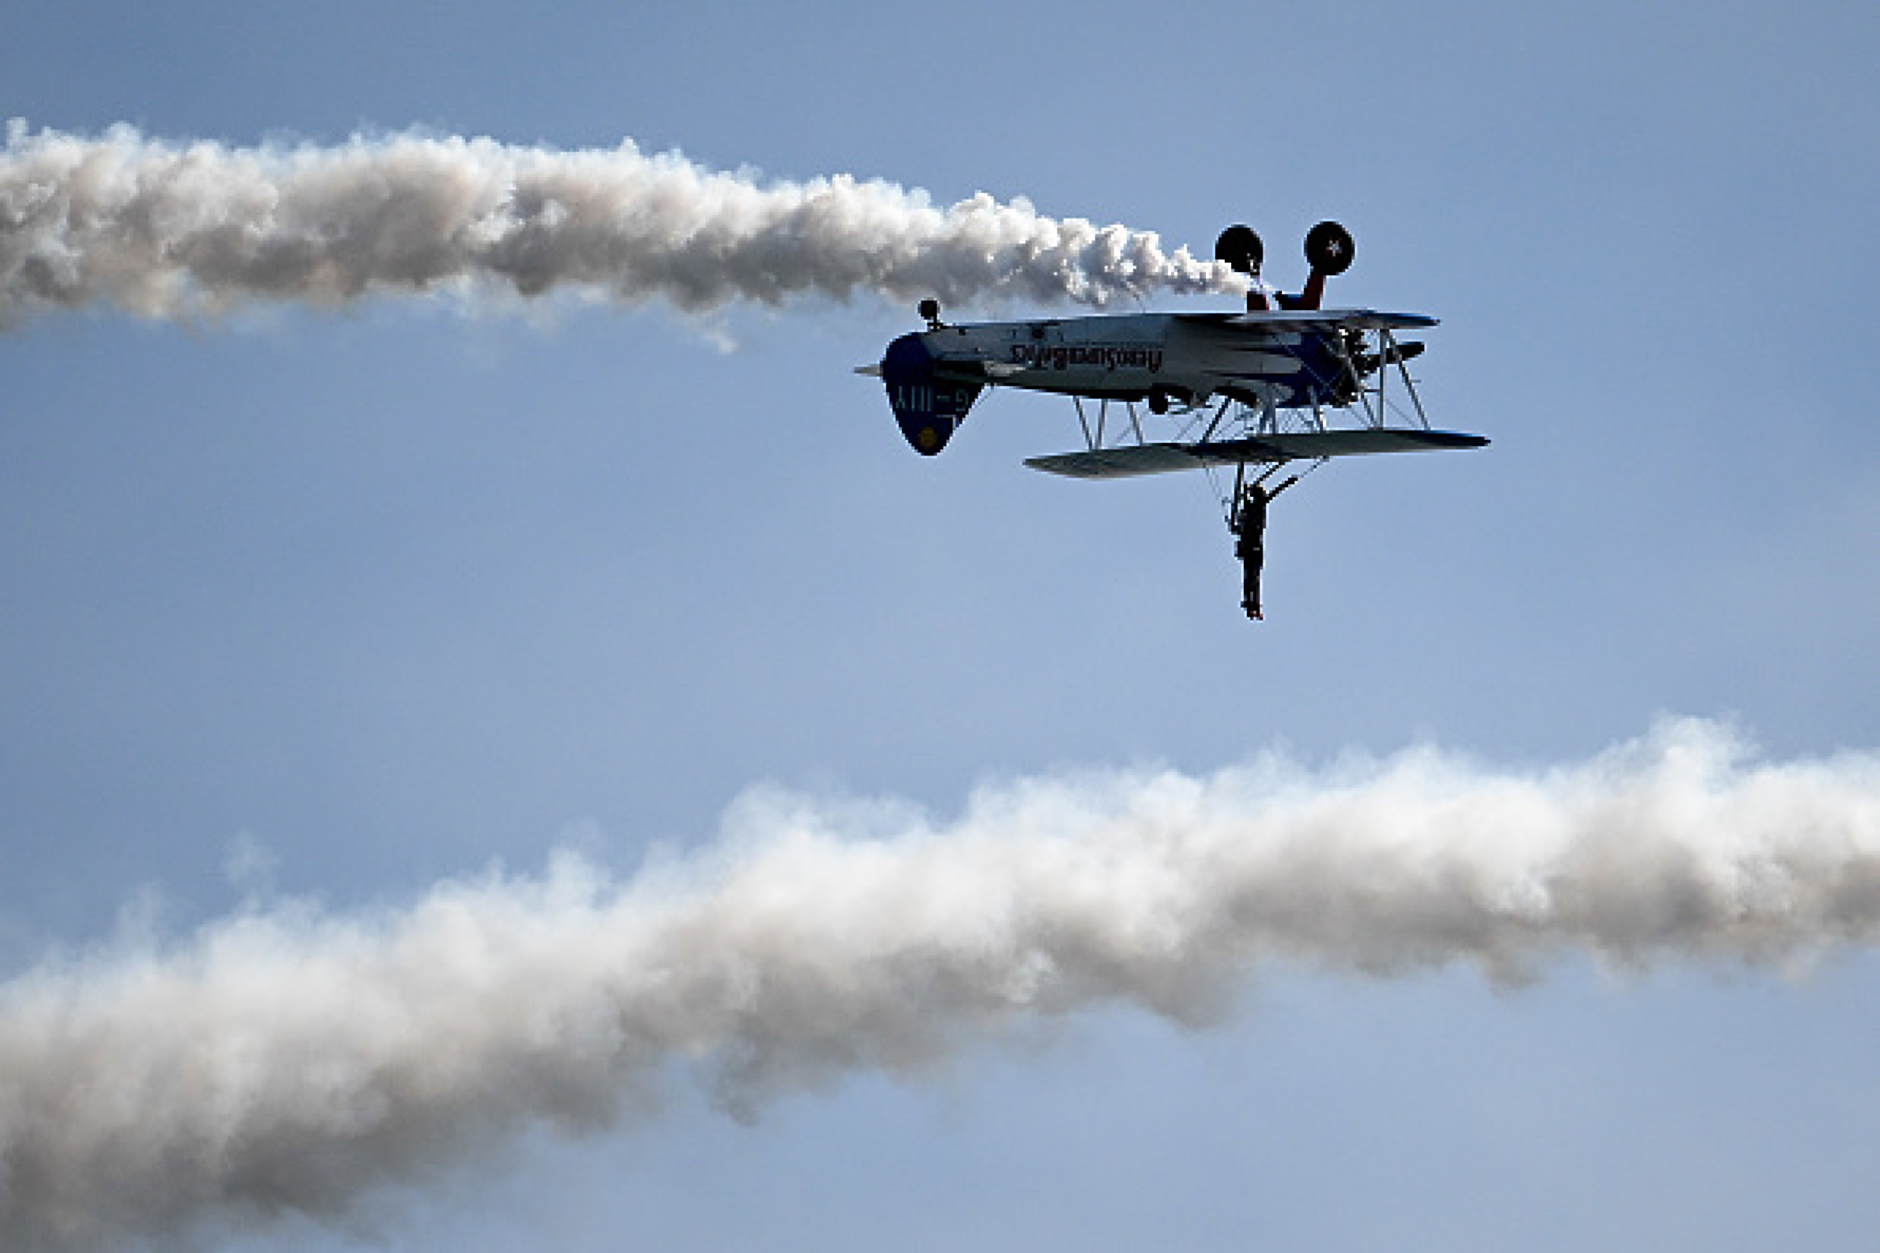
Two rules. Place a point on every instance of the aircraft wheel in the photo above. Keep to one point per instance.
(1330, 248)
(1240, 248)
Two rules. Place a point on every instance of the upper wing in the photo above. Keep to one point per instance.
(1313, 319)
(1131, 460)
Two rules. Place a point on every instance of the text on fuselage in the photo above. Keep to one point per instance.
(1104, 356)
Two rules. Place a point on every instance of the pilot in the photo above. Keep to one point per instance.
(1248, 523)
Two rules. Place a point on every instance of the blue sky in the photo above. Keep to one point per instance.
(390, 594)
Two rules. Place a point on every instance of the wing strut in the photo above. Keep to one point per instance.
(1233, 502)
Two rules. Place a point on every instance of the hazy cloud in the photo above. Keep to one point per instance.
(287, 1060)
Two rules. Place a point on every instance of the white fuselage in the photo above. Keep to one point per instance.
(1134, 355)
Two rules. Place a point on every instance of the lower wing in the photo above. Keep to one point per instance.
(1128, 461)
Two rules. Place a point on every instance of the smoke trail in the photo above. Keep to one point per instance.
(166, 231)
(285, 1060)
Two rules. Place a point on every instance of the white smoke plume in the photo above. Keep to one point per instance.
(290, 1061)
(167, 230)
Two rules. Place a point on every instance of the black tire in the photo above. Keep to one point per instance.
(1240, 248)
(1330, 248)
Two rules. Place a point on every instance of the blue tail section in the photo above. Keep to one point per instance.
(928, 408)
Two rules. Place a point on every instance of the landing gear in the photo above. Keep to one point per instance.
(1240, 248)
(1243, 252)
(1329, 251)
(1330, 248)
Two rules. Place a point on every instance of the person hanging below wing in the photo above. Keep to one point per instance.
(1248, 523)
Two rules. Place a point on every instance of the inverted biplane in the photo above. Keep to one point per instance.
(1285, 381)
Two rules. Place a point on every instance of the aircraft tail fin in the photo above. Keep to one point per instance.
(928, 404)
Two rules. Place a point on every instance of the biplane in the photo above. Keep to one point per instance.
(1284, 381)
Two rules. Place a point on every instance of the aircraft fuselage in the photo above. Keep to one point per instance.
(934, 376)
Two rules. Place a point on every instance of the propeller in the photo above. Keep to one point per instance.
(1367, 363)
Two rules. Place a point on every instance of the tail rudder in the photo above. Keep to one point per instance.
(928, 407)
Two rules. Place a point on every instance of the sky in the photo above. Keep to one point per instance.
(311, 608)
